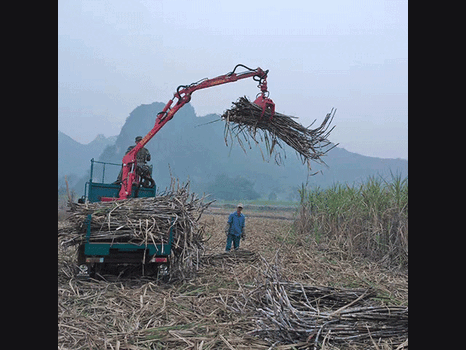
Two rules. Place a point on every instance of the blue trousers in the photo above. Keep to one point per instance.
(232, 239)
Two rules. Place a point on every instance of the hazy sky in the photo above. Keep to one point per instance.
(114, 55)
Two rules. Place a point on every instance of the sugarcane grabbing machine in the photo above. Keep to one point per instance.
(92, 254)
(183, 96)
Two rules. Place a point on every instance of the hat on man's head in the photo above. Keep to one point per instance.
(138, 138)
(239, 206)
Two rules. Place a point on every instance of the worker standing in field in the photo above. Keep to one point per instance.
(142, 157)
(235, 228)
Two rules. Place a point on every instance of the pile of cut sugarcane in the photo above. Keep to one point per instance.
(243, 122)
(291, 311)
(141, 221)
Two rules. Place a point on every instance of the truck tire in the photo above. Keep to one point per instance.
(148, 182)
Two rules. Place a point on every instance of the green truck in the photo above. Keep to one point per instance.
(114, 256)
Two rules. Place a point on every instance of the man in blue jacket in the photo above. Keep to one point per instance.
(234, 228)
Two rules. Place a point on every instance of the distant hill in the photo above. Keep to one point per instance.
(190, 148)
(73, 157)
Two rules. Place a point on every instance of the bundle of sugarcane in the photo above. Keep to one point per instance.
(232, 257)
(290, 312)
(141, 220)
(243, 122)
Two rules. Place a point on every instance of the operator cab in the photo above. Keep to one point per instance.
(96, 188)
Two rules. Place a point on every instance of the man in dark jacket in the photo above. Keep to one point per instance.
(142, 157)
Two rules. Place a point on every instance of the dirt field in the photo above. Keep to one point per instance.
(209, 311)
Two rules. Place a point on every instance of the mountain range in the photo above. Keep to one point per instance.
(194, 147)
(73, 157)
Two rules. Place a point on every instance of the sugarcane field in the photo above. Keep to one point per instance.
(141, 266)
(299, 280)
(232, 175)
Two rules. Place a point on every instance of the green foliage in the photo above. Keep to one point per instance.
(237, 188)
(370, 218)
(272, 196)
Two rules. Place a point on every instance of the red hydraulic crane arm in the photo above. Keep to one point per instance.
(183, 96)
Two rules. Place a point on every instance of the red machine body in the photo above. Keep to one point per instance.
(183, 96)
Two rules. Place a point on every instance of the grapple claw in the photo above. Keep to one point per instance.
(266, 104)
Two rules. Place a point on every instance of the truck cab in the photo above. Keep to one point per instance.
(114, 257)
